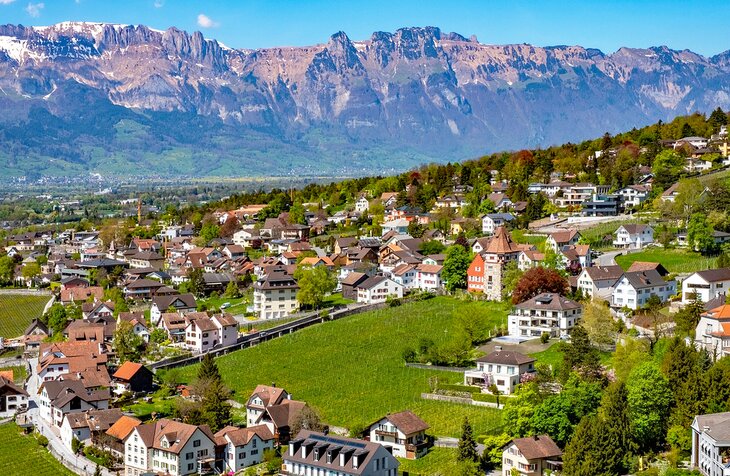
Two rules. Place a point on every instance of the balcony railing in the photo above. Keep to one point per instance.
(391, 434)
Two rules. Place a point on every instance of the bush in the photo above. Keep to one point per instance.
(485, 397)
(454, 387)
(42, 440)
(409, 355)
(544, 337)
(104, 458)
(393, 302)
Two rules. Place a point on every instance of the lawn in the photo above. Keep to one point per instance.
(22, 455)
(336, 299)
(161, 406)
(237, 305)
(553, 356)
(351, 370)
(16, 312)
(438, 462)
(675, 260)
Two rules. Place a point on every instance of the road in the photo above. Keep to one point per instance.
(78, 464)
(608, 258)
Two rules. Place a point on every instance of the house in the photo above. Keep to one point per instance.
(548, 313)
(12, 397)
(136, 320)
(58, 398)
(634, 195)
(633, 289)
(500, 200)
(531, 456)
(362, 205)
(428, 277)
(491, 221)
(85, 359)
(313, 453)
(275, 294)
(647, 265)
(169, 447)
(711, 444)
(399, 225)
(350, 283)
(244, 447)
(486, 269)
(274, 407)
(88, 425)
(597, 281)
(720, 237)
(97, 309)
(203, 333)
(670, 194)
(529, 259)
(115, 435)
(377, 289)
(147, 260)
(81, 294)
(556, 241)
(403, 433)
(601, 205)
(501, 368)
(34, 334)
(181, 303)
(713, 332)
(142, 289)
(633, 236)
(705, 285)
(133, 377)
(389, 199)
(405, 275)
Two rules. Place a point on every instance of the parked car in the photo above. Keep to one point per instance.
(225, 305)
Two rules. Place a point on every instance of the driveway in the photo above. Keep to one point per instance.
(608, 258)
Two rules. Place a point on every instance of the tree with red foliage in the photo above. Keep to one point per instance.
(538, 280)
(230, 227)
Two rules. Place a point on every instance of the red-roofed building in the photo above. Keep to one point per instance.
(713, 331)
(132, 377)
(485, 271)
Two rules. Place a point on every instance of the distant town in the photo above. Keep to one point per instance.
(559, 311)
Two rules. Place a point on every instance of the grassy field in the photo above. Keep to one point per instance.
(22, 455)
(16, 312)
(438, 462)
(237, 305)
(553, 356)
(143, 410)
(675, 260)
(351, 370)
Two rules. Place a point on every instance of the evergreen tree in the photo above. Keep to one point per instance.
(215, 407)
(580, 356)
(467, 450)
(208, 370)
(617, 445)
(582, 454)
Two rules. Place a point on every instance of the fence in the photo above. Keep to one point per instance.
(263, 336)
(437, 367)
(26, 292)
(461, 400)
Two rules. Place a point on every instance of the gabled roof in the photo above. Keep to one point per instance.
(644, 279)
(286, 413)
(715, 275)
(177, 434)
(163, 303)
(537, 447)
(242, 436)
(127, 370)
(123, 427)
(715, 425)
(550, 302)
(601, 273)
(647, 265)
(407, 422)
(634, 228)
(269, 395)
(354, 278)
(8, 387)
(501, 243)
(564, 236)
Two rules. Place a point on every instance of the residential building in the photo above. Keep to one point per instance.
(486, 269)
(713, 332)
(377, 289)
(532, 456)
(181, 303)
(601, 206)
(711, 444)
(405, 275)
(274, 407)
(428, 277)
(706, 285)
(12, 398)
(115, 434)
(60, 397)
(633, 289)
(169, 447)
(362, 205)
(275, 295)
(313, 453)
(634, 195)
(133, 377)
(350, 283)
(404, 433)
(203, 333)
(559, 239)
(87, 426)
(244, 447)
(491, 221)
(501, 368)
(597, 281)
(633, 236)
(548, 313)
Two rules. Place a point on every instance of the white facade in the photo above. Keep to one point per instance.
(242, 456)
(713, 332)
(626, 295)
(633, 236)
(362, 205)
(380, 292)
(538, 316)
(71, 431)
(506, 376)
(706, 285)
(428, 280)
(491, 221)
(139, 458)
(403, 445)
(710, 444)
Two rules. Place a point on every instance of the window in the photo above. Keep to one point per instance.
(242, 455)
(196, 443)
(189, 455)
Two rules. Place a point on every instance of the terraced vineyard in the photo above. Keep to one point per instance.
(23, 455)
(17, 311)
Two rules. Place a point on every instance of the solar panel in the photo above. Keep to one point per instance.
(329, 439)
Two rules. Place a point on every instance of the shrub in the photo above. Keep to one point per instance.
(544, 337)
(42, 440)
(409, 354)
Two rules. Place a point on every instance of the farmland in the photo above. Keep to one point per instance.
(675, 260)
(352, 371)
(17, 311)
(22, 455)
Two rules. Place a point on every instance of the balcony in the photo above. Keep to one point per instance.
(390, 434)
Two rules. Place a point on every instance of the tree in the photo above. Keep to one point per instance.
(7, 269)
(467, 450)
(232, 290)
(463, 242)
(539, 280)
(415, 229)
(215, 408)
(432, 247)
(208, 370)
(56, 318)
(31, 270)
(518, 411)
(510, 277)
(209, 232)
(493, 446)
(230, 226)
(308, 419)
(580, 356)
(700, 235)
(717, 118)
(630, 353)
(455, 267)
(650, 399)
(314, 284)
(127, 344)
(196, 281)
(599, 324)
(667, 168)
(688, 317)
(582, 453)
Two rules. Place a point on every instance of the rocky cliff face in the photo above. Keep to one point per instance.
(437, 95)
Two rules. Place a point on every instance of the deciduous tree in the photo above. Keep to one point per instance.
(539, 280)
(314, 285)
(455, 267)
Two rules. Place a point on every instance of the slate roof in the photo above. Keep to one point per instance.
(715, 275)
(549, 302)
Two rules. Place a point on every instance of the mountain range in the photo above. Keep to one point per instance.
(130, 100)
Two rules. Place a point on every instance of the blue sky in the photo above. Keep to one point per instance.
(609, 24)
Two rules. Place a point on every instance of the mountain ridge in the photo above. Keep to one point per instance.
(388, 102)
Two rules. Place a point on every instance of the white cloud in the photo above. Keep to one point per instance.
(34, 9)
(6, 2)
(206, 22)
(159, 3)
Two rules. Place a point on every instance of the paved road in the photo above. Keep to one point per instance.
(608, 258)
(78, 464)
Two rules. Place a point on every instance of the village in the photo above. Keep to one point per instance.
(589, 269)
